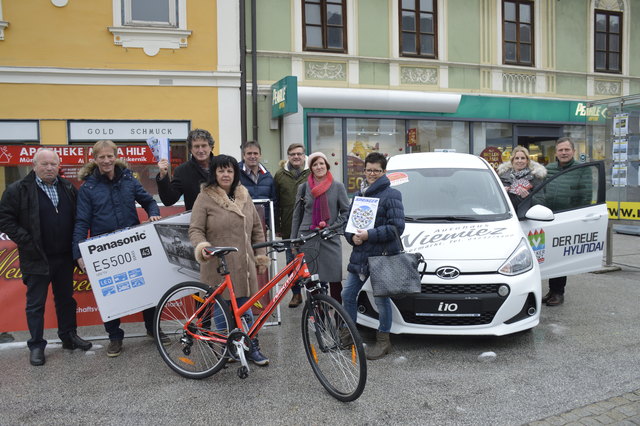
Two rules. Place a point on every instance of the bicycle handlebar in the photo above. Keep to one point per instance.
(325, 233)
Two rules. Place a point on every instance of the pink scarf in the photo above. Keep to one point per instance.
(321, 211)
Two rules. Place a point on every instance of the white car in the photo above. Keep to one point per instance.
(485, 258)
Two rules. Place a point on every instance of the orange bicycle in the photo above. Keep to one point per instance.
(198, 332)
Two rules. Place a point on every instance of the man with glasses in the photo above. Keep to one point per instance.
(188, 176)
(292, 173)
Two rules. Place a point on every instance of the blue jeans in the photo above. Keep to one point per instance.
(248, 316)
(296, 289)
(350, 302)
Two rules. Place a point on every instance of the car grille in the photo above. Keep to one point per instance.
(488, 292)
(460, 288)
(484, 318)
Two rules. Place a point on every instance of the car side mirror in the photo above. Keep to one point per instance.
(540, 212)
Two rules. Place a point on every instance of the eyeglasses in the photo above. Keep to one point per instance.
(373, 171)
(296, 154)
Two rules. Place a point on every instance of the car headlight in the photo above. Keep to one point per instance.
(519, 262)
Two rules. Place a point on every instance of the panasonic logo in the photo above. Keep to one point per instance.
(117, 243)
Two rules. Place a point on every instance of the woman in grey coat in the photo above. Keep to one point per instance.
(321, 202)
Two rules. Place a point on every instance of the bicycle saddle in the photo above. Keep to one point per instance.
(219, 251)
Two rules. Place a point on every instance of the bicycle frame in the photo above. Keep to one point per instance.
(300, 272)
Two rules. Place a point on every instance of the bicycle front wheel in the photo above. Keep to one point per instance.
(334, 348)
(186, 353)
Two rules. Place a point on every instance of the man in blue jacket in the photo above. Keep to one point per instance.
(255, 177)
(38, 213)
(106, 203)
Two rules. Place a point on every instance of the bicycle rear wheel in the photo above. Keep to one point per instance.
(191, 356)
(334, 348)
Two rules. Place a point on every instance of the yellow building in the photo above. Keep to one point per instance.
(75, 71)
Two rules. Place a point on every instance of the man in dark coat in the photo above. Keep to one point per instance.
(255, 177)
(292, 173)
(187, 177)
(570, 191)
(38, 214)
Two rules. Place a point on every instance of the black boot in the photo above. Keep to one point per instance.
(72, 341)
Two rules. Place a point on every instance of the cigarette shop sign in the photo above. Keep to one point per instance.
(83, 131)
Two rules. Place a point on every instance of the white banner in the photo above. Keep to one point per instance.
(131, 269)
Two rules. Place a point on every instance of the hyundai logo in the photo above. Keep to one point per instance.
(448, 272)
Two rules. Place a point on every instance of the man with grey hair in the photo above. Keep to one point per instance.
(188, 176)
(38, 214)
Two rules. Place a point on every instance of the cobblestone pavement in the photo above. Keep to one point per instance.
(619, 410)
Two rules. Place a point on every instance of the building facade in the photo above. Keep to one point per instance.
(413, 76)
(73, 72)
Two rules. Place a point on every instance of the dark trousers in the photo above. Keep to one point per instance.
(61, 279)
(116, 333)
(556, 285)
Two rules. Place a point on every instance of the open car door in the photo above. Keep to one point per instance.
(572, 242)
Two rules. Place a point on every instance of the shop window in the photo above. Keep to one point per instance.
(517, 32)
(433, 136)
(367, 135)
(418, 28)
(324, 25)
(608, 41)
(150, 24)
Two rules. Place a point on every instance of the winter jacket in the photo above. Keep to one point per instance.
(187, 179)
(108, 205)
(382, 238)
(324, 257)
(535, 177)
(286, 185)
(569, 191)
(264, 189)
(20, 220)
(218, 221)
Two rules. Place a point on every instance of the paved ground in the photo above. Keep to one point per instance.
(623, 409)
(581, 365)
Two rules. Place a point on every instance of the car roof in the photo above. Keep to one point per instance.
(438, 160)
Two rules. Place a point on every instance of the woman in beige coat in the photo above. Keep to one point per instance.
(223, 215)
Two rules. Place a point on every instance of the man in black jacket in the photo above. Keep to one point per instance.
(38, 214)
(188, 176)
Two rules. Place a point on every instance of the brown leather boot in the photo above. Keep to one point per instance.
(296, 300)
(381, 348)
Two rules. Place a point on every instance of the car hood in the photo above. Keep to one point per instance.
(463, 242)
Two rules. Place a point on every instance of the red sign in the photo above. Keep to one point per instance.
(22, 155)
(493, 156)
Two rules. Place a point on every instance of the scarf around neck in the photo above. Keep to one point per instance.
(319, 190)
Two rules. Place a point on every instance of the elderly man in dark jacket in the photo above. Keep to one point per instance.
(37, 213)
(384, 237)
(188, 176)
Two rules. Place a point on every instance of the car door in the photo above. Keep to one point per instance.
(573, 242)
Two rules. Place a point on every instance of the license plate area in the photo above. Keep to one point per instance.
(456, 306)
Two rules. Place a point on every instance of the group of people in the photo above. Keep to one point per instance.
(522, 174)
(47, 217)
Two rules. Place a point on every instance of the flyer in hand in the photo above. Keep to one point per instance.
(159, 148)
(363, 214)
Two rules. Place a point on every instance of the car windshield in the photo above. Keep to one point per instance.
(450, 195)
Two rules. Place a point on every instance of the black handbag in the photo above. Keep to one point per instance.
(398, 274)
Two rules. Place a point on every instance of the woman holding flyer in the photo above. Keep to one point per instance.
(321, 202)
(382, 237)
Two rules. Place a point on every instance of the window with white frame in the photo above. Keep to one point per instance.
(150, 24)
(150, 13)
